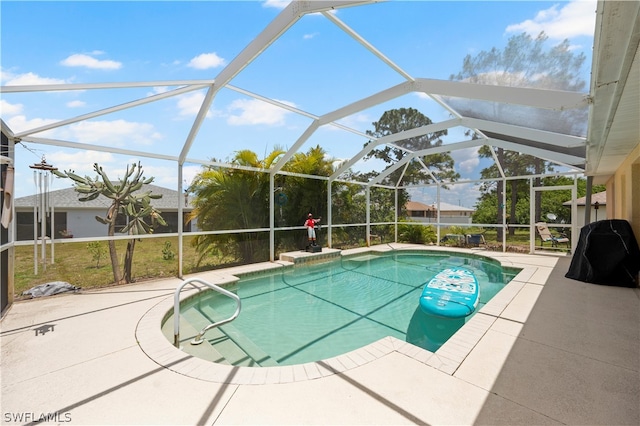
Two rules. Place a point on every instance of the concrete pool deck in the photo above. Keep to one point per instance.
(545, 350)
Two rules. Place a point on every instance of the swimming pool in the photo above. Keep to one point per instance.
(313, 312)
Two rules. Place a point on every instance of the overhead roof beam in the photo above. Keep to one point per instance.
(296, 146)
(285, 19)
(106, 111)
(362, 104)
(497, 161)
(556, 157)
(450, 147)
(94, 86)
(89, 147)
(424, 152)
(543, 136)
(272, 102)
(404, 170)
(557, 100)
(419, 131)
(367, 45)
(392, 168)
(292, 109)
(427, 169)
(195, 127)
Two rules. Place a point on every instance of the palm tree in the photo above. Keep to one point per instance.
(234, 198)
(238, 198)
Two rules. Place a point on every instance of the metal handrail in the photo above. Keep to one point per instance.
(176, 311)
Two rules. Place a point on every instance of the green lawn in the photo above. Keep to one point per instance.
(74, 263)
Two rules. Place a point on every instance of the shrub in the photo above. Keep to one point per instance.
(97, 251)
(416, 233)
(167, 253)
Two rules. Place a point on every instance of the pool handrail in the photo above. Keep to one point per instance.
(176, 310)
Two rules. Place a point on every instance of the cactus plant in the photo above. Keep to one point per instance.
(142, 216)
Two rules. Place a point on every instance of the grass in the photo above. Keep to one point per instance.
(74, 263)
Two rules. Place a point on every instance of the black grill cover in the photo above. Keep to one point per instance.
(607, 253)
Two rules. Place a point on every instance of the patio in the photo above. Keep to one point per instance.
(535, 355)
(546, 350)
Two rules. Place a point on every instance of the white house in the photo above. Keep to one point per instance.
(74, 218)
(449, 213)
(598, 208)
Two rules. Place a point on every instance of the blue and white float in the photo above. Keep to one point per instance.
(451, 293)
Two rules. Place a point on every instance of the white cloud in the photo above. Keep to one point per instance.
(207, 60)
(281, 4)
(576, 18)
(81, 161)
(190, 104)
(82, 60)
(157, 90)
(354, 121)
(7, 109)
(253, 111)
(116, 133)
(76, 104)
(27, 79)
(113, 133)
(19, 124)
(167, 176)
(309, 36)
(466, 160)
(277, 4)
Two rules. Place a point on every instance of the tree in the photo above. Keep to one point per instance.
(524, 62)
(513, 164)
(306, 195)
(136, 207)
(235, 198)
(399, 120)
(403, 119)
(550, 201)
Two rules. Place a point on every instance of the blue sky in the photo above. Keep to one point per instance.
(314, 67)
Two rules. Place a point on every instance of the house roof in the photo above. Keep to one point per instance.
(600, 198)
(444, 207)
(613, 131)
(68, 199)
(416, 206)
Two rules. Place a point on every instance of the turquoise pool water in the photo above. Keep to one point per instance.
(314, 312)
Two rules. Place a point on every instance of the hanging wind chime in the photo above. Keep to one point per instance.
(42, 209)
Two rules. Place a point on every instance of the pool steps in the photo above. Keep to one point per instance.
(188, 332)
(238, 349)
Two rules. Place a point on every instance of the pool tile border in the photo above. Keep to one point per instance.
(446, 359)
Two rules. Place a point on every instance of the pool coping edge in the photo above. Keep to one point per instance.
(447, 358)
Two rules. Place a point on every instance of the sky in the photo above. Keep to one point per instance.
(314, 68)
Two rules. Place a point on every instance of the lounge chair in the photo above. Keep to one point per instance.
(547, 237)
(475, 240)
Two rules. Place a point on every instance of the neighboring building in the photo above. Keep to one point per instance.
(420, 212)
(449, 213)
(598, 208)
(77, 218)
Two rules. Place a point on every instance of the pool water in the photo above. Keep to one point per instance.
(308, 313)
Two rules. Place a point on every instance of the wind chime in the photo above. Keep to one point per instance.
(42, 209)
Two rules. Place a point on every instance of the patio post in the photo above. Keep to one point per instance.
(587, 201)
